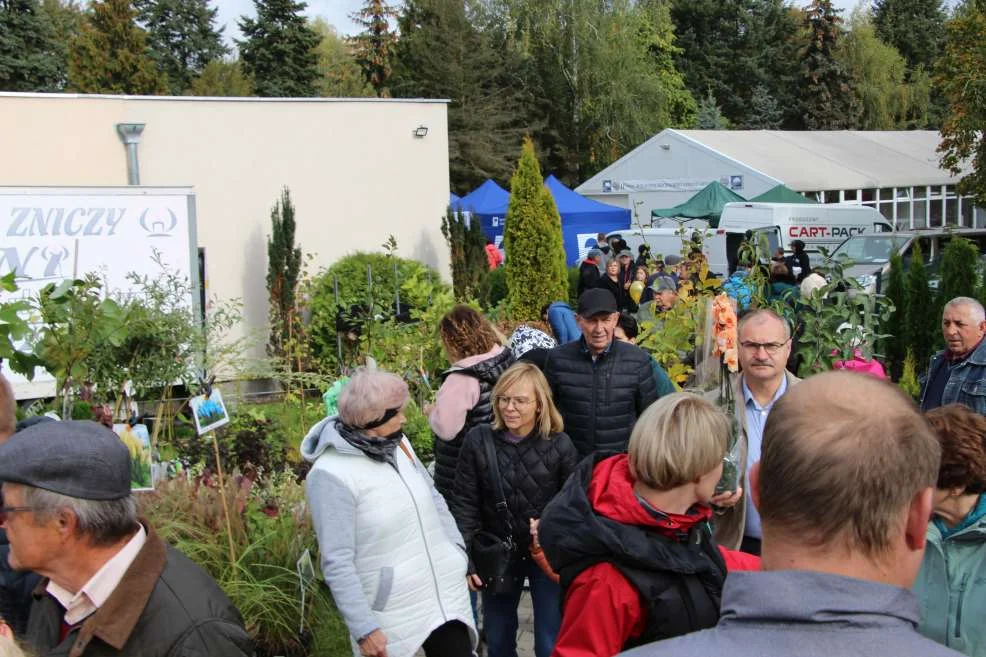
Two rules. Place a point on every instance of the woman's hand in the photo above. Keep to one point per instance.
(474, 582)
(374, 645)
(534, 533)
(727, 499)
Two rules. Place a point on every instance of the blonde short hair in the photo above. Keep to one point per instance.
(679, 438)
(548, 420)
(368, 394)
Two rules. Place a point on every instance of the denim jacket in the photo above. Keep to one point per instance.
(966, 382)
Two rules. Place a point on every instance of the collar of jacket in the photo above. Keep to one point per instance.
(975, 357)
(114, 622)
(585, 347)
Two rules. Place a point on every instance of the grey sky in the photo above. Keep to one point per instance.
(337, 12)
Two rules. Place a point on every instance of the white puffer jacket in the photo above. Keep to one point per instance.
(390, 550)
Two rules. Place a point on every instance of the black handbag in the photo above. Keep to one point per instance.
(492, 554)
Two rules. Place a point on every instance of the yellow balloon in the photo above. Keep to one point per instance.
(636, 289)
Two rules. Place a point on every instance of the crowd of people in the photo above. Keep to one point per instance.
(567, 466)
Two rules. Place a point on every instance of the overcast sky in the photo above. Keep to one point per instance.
(337, 12)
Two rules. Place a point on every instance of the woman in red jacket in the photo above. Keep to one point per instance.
(630, 534)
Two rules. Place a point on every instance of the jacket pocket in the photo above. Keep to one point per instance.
(973, 394)
(384, 587)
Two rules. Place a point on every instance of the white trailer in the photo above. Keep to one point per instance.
(50, 234)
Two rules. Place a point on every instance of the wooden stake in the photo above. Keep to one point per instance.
(222, 493)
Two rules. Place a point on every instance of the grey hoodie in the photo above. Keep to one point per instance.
(336, 536)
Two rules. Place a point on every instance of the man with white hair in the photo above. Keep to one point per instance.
(958, 373)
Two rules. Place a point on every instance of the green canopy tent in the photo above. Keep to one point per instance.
(780, 194)
(706, 204)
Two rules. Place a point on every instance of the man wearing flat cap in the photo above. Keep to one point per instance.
(600, 385)
(111, 586)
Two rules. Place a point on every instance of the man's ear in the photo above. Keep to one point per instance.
(754, 491)
(918, 515)
(66, 523)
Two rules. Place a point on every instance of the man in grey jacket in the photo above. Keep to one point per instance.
(844, 489)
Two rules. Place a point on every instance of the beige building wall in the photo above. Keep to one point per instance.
(356, 171)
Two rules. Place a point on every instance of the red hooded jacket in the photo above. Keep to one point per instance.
(602, 610)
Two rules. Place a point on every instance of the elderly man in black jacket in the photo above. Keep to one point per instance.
(600, 385)
(111, 586)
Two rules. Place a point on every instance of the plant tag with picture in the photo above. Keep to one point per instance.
(209, 411)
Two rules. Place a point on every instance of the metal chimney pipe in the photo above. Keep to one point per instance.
(130, 136)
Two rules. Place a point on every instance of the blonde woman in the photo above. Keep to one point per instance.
(533, 459)
(391, 553)
(630, 535)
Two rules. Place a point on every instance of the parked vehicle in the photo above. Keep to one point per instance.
(871, 253)
(668, 241)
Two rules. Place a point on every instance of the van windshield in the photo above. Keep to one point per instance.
(870, 249)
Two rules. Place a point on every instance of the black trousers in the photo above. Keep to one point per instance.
(449, 640)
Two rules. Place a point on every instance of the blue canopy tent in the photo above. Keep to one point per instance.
(489, 203)
(583, 218)
(453, 201)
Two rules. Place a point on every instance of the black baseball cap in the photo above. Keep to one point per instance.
(596, 301)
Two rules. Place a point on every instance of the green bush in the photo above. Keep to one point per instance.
(352, 277)
(536, 271)
(418, 431)
(895, 347)
(959, 273)
(496, 282)
(573, 286)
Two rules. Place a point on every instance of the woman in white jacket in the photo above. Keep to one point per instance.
(390, 549)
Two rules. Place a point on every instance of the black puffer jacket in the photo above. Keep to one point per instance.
(447, 451)
(600, 400)
(532, 472)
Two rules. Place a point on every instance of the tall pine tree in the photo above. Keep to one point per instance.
(895, 347)
(110, 54)
(183, 38)
(278, 49)
(283, 268)
(30, 57)
(441, 54)
(828, 101)
(375, 45)
(763, 113)
(916, 28)
(536, 272)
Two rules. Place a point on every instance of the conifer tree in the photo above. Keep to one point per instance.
(895, 348)
(278, 50)
(467, 249)
(828, 101)
(763, 113)
(916, 28)
(374, 47)
(710, 114)
(536, 272)
(922, 322)
(110, 54)
(30, 57)
(959, 272)
(283, 268)
(183, 38)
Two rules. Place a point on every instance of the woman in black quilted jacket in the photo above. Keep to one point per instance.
(533, 458)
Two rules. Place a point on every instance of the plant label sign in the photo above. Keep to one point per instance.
(209, 411)
(138, 441)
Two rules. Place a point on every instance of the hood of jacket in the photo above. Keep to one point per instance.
(321, 437)
(597, 515)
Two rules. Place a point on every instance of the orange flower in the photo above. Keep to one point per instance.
(731, 359)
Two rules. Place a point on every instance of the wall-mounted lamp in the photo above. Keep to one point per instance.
(420, 132)
(665, 147)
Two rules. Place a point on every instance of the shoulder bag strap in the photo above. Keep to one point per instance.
(501, 499)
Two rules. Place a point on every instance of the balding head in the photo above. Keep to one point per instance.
(844, 459)
(8, 410)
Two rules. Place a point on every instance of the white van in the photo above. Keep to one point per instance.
(667, 241)
(818, 225)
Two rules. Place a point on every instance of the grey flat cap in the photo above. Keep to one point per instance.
(83, 459)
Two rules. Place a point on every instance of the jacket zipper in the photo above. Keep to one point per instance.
(424, 539)
(958, 606)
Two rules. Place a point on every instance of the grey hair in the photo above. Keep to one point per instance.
(103, 521)
(978, 313)
(369, 394)
(759, 315)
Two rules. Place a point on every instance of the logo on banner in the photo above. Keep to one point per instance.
(585, 241)
(159, 223)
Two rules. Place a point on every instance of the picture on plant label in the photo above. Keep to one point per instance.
(210, 411)
(138, 441)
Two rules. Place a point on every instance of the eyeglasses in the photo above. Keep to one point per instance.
(4, 510)
(518, 402)
(769, 347)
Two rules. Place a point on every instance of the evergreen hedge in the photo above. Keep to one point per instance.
(536, 271)
(895, 346)
(921, 325)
